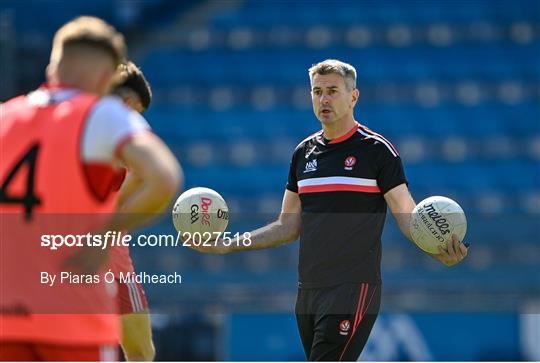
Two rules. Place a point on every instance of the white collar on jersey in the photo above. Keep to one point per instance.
(44, 96)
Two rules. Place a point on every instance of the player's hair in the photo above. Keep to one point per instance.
(330, 66)
(89, 32)
(132, 78)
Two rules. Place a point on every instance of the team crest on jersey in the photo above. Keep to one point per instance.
(344, 327)
(349, 162)
(311, 166)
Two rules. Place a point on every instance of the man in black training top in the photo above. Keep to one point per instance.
(341, 180)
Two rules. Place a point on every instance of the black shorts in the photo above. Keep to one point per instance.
(335, 322)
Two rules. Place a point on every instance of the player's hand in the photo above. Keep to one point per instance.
(454, 252)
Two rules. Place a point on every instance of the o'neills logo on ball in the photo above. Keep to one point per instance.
(440, 221)
(344, 327)
(349, 162)
(428, 210)
(205, 206)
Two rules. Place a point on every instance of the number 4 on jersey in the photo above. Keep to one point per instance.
(29, 199)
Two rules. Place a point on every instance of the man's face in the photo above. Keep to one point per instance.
(332, 101)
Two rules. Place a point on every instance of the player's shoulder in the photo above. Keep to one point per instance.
(13, 103)
(308, 140)
(107, 125)
(376, 141)
(111, 111)
(111, 105)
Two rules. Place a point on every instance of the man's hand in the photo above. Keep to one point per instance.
(454, 252)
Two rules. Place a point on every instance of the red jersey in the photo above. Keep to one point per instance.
(45, 190)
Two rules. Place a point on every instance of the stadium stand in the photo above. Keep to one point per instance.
(455, 85)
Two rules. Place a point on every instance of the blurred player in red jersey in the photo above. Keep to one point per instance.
(136, 339)
(60, 146)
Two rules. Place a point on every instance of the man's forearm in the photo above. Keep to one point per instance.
(403, 220)
(278, 233)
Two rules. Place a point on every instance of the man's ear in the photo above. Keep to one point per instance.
(126, 98)
(355, 95)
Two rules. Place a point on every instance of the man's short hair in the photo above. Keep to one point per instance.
(89, 31)
(330, 66)
(129, 76)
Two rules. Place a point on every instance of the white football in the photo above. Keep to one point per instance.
(433, 222)
(200, 210)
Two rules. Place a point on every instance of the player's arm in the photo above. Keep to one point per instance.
(158, 176)
(286, 229)
(401, 204)
(151, 161)
(137, 337)
(130, 185)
